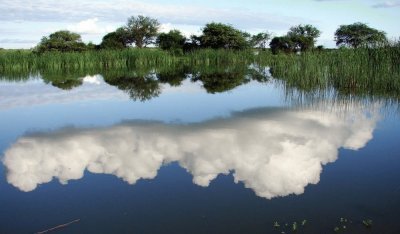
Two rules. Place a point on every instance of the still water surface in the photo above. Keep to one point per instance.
(195, 156)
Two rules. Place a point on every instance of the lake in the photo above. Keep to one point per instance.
(207, 151)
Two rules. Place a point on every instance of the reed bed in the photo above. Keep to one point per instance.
(26, 60)
(362, 71)
(350, 71)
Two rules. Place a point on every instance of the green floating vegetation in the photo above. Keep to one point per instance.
(367, 223)
(294, 227)
(276, 224)
(343, 225)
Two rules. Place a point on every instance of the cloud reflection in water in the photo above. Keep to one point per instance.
(275, 152)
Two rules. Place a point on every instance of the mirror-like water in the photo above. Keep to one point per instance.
(195, 151)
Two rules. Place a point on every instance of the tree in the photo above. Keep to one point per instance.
(63, 41)
(142, 30)
(260, 40)
(303, 36)
(116, 40)
(218, 35)
(171, 40)
(359, 34)
(193, 43)
(282, 44)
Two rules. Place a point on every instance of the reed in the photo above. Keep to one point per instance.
(362, 72)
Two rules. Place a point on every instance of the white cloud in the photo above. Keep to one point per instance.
(387, 4)
(35, 93)
(275, 152)
(118, 11)
(186, 30)
(17, 41)
(97, 80)
(90, 26)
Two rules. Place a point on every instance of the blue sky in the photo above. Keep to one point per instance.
(24, 22)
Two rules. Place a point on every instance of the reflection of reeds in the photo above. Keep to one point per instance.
(349, 72)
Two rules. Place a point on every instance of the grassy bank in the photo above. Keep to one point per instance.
(26, 60)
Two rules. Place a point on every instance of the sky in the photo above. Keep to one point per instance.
(24, 22)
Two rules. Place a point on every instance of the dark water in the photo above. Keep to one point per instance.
(207, 152)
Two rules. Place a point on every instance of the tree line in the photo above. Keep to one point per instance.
(142, 31)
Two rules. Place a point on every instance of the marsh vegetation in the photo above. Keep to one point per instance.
(222, 57)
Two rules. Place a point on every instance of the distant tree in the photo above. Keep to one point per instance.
(193, 43)
(260, 40)
(218, 35)
(119, 39)
(359, 34)
(320, 48)
(282, 44)
(142, 30)
(91, 46)
(64, 41)
(303, 36)
(171, 40)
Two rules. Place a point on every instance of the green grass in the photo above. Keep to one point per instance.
(26, 60)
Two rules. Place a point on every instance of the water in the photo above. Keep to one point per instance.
(216, 152)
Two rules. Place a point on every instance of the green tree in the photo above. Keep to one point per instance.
(282, 44)
(303, 36)
(142, 30)
(64, 41)
(193, 43)
(260, 40)
(171, 40)
(119, 39)
(359, 34)
(218, 35)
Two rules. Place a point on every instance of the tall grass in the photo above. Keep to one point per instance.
(26, 60)
(361, 72)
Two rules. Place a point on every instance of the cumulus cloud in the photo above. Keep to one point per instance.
(387, 4)
(90, 26)
(186, 30)
(275, 152)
